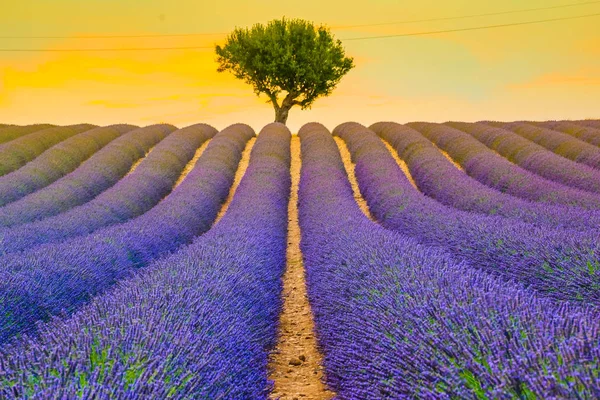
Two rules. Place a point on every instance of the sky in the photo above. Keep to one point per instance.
(540, 72)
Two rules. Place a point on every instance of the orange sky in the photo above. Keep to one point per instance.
(546, 71)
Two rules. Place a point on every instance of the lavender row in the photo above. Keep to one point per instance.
(56, 162)
(203, 319)
(584, 133)
(11, 132)
(436, 177)
(396, 319)
(133, 195)
(19, 152)
(533, 157)
(493, 170)
(559, 263)
(57, 278)
(592, 123)
(98, 173)
(54, 279)
(557, 142)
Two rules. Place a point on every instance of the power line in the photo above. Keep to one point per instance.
(344, 39)
(475, 28)
(110, 49)
(469, 16)
(118, 36)
(341, 27)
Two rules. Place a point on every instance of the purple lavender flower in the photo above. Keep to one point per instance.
(56, 279)
(197, 324)
(56, 162)
(98, 173)
(438, 178)
(396, 319)
(562, 264)
(495, 171)
(20, 151)
(133, 195)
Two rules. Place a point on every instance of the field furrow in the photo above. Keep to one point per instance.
(18, 152)
(535, 158)
(58, 278)
(133, 195)
(198, 324)
(561, 264)
(190, 165)
(349, 168)
(239, 174)
(295, 363)
(98, 173)
(56, 162)
(438, 178)
(495, 171)
(396, 319)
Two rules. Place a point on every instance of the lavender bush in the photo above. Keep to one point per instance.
(562, 264)
(592, 123)
(396, 319)
(198, 324)
(525, 152)
(436, 177)
(98, 173)
(19, 152)
(495, 171)
(581, 132)
(55, 279)
(56, 162)
(11, 132)
(133, 195)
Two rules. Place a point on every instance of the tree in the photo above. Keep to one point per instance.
(288, 59)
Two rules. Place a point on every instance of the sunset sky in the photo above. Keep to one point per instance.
(542, 71)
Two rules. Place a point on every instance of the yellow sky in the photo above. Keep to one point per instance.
(545, 71)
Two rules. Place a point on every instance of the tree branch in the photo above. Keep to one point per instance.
(289, 100)
(292, 62)
(273, 99)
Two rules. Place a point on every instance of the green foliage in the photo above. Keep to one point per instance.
(291, 56)
(474, 384)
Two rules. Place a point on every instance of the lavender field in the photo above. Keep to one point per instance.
(434, 261)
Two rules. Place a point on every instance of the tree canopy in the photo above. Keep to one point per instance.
(289, 59)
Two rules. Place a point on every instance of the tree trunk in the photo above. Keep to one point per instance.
(281, 114)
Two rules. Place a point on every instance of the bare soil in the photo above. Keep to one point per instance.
(400, 163)
(295, 364)
(139, 161)
(457, 165)
(190, 165)
(239, 174)
(349, 167)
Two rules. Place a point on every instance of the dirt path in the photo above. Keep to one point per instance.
(190, 165)
(239, 174)
(139, 161)
(295, 364)
(457, 165)
(349, 167)
(400, 163)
